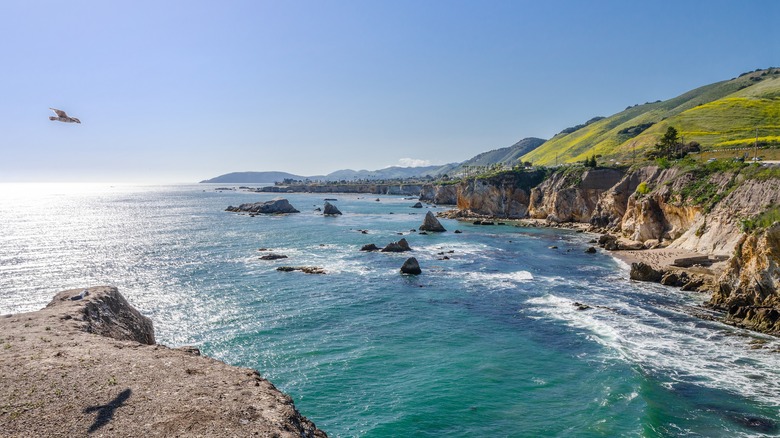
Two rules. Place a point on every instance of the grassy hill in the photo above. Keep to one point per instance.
(508, 155)
(720, 115)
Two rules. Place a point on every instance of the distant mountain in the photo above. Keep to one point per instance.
(252, 177)
(720, 115)
(339, 175)
(508, 155)
(393, 172)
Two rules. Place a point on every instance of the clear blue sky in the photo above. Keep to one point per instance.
(179, 91)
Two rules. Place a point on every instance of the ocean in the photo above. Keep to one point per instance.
(486, 343)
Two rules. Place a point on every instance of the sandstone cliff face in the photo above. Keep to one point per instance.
(479, 197)
(440, 194)
(503, 196)
(88, 367)
(719, 231)
(572, 196)
(750, 284)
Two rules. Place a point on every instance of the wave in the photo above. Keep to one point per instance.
(675, 349)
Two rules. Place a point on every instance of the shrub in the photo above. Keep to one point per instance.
(643, 188)
(763, 220)
(663, 162)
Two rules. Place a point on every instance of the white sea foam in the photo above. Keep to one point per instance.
(672, 351)
(494, 280)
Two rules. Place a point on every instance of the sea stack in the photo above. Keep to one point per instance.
(400, 246)
(430, 223)
(330, 210)
(411, 267)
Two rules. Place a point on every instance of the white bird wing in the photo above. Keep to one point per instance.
(60, 113)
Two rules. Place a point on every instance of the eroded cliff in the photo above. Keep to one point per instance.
(749, 286)
(699, 209)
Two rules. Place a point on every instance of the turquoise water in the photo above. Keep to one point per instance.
(487, 343)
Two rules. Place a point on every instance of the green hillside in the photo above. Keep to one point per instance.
(720, 115)
(508, 156)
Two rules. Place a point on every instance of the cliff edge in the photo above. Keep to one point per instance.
(87, 364)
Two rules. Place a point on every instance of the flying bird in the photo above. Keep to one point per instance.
(62, 117)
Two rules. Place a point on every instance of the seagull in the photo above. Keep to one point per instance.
(62, 117)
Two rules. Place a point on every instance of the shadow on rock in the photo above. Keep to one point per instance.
(106, 412)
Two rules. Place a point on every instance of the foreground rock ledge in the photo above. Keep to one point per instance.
(90, 367)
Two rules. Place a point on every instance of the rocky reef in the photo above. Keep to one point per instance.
(274, 206)
(88, 364)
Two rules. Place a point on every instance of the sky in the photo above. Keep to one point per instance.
(181, 91)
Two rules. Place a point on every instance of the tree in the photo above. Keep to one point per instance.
(668, 143)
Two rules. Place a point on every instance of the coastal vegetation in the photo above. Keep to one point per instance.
(724, 114)
(766, 219)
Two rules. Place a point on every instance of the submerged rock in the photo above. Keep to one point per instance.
(273, 257)
(580, 306)
(430, 223)
(304, 269)
(411, 267)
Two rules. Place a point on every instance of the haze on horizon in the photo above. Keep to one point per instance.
(183, 91)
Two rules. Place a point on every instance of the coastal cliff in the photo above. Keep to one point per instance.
(695, 210)
(88, 363)
(748, 288)
(505, 195)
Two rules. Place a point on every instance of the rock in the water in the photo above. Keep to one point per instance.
(304, 269)
(273, 257)
(417, 205)
(457, 231)
(431, 223)
(274, 206)
(644, 272)
(370, 247)
(411, 266)
(330, 209)
(400, 246)
(580, 306)
(590, 250)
